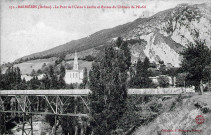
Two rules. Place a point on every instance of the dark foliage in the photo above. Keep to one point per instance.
(108, 86)
(163, 81)
(141, 77)
(195, 59)
(11, 79)
(89, 58)
(85, 79)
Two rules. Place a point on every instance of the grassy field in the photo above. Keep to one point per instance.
(27, 67)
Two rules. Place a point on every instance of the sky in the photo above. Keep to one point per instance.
(30, 30)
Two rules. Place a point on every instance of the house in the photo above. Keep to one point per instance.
(29, 77)
(172, 81)
(26, 77)
(75, 75)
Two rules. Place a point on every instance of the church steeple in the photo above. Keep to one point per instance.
(75, 64)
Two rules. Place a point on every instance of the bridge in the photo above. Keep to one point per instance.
(27, 103)
(85, 92)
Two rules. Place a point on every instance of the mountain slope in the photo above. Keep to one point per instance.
(159, 37)
(179, 117)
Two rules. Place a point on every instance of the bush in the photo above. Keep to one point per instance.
(89, 58)
(163, 81)
(180, 80)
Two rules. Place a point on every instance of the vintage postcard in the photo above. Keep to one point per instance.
(105, 67)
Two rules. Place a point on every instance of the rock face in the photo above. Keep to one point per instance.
(168, 32)
(159, 37)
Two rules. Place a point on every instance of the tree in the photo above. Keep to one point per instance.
(181, 79)
(127, 53)
(173, 73)
(62, 71)
(162, 69)
(33, 73)
(11, 79)
(45, 70)
(2, 115)
(131, 77)
(24, 80)
(44, 65)
(89, 58)
(85, 79)
(46, 82)
(50, 119)
(141, 79)
(61, 82)
(68, 123)
(195, 58)
(109, 92)
(39, 71)
(18, 75)
(119, 41)
(53, 78)
(161, 62)
(34, 83)
(2, 123)
(163, 81)
(62, 56)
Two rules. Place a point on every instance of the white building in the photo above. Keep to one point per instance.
(171, 81)
(28, 77)
(75, 75)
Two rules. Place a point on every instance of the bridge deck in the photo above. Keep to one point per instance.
(85, 92)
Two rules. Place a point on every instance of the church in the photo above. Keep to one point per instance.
(75, 75)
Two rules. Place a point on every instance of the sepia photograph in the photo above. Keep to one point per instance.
(105, 67)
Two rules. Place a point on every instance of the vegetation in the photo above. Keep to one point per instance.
(108, 85)
(140, 111)
(195, 59)
(110, 109)
(140, 78)
(33, 73)
(163, 81)
(11, 79)
(181, 79)
(89, 58)
(85, 79)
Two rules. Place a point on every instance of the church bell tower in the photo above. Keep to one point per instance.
(75, 64)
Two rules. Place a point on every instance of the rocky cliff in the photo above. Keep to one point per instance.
(168, 32)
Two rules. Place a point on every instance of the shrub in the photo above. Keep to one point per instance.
(163, 81)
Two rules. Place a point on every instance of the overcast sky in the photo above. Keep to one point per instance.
(27, 31)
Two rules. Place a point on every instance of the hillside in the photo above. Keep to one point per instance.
(178, 117)
(159, 37)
